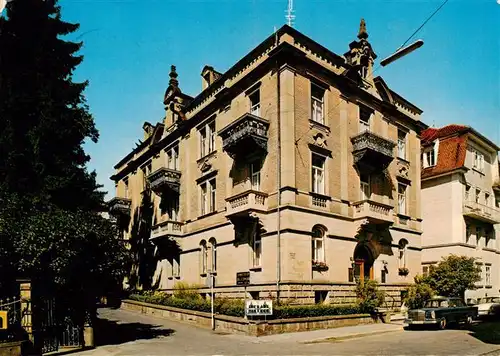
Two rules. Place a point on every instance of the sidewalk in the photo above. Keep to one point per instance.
(336, 334)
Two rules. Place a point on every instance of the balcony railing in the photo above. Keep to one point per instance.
(169, 229)
(374, 211)
(481, 212)
(371, 150)
(164, 178)
(248, 134)
(119, 205)
(245, 203)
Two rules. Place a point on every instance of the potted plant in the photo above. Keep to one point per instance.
(319, 266)
(403, 271)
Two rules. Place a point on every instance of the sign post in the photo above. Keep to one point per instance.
(243, 279)
(259, 307)
(212, 298)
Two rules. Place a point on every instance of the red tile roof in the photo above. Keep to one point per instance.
(452, 148)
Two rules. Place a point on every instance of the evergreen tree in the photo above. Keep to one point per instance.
(49, 226)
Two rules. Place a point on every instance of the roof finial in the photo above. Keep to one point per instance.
(362, 30)
(289, 13)
(173, 77)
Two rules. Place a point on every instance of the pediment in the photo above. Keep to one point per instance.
(383, 90)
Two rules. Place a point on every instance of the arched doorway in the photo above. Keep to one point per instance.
(363, 260)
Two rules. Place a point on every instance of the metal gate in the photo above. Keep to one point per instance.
(10, 327)
(56, 332)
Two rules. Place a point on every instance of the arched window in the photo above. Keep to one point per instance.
(318, 244)
(403, 243)
(213, 250)
(203, 257)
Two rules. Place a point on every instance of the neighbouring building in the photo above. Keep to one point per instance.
(296, 165)
(461, 201)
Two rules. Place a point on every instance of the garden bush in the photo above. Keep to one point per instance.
(369, 296)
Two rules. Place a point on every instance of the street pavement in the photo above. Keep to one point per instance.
(121, 333)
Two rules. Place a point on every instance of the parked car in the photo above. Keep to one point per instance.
(488, 306)
(441, 311)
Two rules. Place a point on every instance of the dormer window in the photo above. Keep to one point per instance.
(478, 160)
(429, 156)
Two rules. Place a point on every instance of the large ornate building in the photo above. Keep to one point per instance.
(461, 201)
(296, 164)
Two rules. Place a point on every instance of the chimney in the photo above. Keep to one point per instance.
(208, 76)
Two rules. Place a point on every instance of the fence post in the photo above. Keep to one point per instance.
(26, 312)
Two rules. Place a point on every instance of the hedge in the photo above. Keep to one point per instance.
(235, 307)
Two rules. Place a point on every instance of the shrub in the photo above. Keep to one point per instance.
(369, 296)
(186, 291)
(418, 293)
(304, 311)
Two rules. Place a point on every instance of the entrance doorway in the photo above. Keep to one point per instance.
(363, 263)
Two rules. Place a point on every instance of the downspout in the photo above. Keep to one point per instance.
(278, 166)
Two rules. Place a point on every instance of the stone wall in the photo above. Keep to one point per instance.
(247, 327)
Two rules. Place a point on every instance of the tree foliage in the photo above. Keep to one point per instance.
(368, 295)
(418, 293)
(50, 229)
(453, 275)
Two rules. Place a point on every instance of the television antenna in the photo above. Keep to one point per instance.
(289, 13)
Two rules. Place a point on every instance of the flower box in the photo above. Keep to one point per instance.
(319, 266)
(403, 271)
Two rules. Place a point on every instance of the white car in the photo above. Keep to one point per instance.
(489, 306)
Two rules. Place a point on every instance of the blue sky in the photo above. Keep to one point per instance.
(129, 46)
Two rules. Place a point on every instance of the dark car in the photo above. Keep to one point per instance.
(441, 311)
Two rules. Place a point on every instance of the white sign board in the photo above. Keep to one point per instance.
(259, 307)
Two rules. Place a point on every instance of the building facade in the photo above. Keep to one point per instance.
(461, 201)
(296, 164)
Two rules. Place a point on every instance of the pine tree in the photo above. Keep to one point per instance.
(44, 117)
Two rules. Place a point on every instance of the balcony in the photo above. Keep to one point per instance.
(481, 212)
(166, 229)
(163, 179)
(375, 212)
(372, 152)
(118, 206)
(246, 203)
(247, 135)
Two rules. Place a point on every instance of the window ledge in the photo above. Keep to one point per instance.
(170, 277)
(255, 269)
(318, 195)
(203, 274)
(207, 215)
(488, 286)
(478, 171)
(177, 277)
(319, 125)
(403, 160)
(206, 156)
(404, 216)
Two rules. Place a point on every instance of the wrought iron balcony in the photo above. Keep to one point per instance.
(165, 178)
(371, 151)
(246, 135)
(166, 229)
(119, 206)
(246, 203)
(481, 212)
(375, 212)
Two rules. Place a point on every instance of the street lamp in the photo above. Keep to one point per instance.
(402, 52)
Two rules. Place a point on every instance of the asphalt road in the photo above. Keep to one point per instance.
(127, 333)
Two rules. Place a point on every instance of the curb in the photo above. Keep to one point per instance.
(353, 336)
(491, 353)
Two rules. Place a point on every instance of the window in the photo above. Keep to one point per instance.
(478, 235)
(317, 248)
(486, 199)
(428, 158)
(403, 243)
(208, 196)
(320, 296)
(255, 103)
(318, 174)
(146, 171)
(488, 275)
(176, 267)
(401, 144)
(467, 192)
(402, 198)
(255, 175)
(364, 119)
(478, 160)
(467, 233)
(425, 270)
(203, 257)
(173, 158)
(125, 185)
(213, 250)
(257, 249)
(365, 186)
(207, 138)
(173, 208)
(317, 103)
(478, 194)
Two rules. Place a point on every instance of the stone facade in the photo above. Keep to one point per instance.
(296, 165)
(461, 202)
